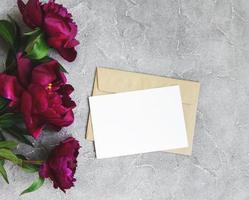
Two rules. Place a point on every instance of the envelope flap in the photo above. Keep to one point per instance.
(114, 81)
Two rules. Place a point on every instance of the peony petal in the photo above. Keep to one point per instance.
(33, 123)
(21, 6)
(32, 13)
(55, 25)
(74, 29)
(57, 119)
(68, 103)
(24, 68)
(72, 43)
(66, 89)
(11, 89)
(44, 170)
(68, 148)
(45, 73)
(39, 98)
(55, 42)
(68, 54)
(68, 118)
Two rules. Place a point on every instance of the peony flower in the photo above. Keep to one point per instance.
(46, 98)
(55, 21)
(61, 164)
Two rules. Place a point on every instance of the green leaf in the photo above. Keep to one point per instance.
(10, 62)
(47, 59)
(8, 144)
(2, 138)
(18, 135)
(9, 119)
(9, 155)
(7, 32)
(63, 69)
(36, 31)
(14, 24)
(17, 32)
(37, 48)
(3, 171)
(20, 130)
(34, 186)
(10, 32)
(30, 168)
(3, 103)
(22, 157)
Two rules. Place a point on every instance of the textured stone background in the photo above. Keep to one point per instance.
(202, 40)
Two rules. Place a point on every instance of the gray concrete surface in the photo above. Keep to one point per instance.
(202, 40)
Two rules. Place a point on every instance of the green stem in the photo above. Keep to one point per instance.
(33, 162)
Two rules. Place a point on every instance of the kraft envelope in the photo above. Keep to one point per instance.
(139, 121)
(109, 81)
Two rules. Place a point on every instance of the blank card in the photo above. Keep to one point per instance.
(138, 122)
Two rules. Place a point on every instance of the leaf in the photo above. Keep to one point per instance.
(47, 59)
(36, 31)
(15, 25)
(7, 32)
(34, 186)
(8, 144)
(10, 32)
(3, 171)
(27, 167)
(3, 103)
(30, 168)
(2, 138)
(20, 137)
(63, 69)
(9, 119)
(17, 32)
(9, 155)
(10, 62)
(37, 48)
(22, 157)
(20, 130)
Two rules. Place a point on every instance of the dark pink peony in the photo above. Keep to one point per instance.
(61, 164)
(56, 22)
(45, 100)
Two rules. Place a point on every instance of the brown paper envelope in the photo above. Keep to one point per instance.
(109, 81)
